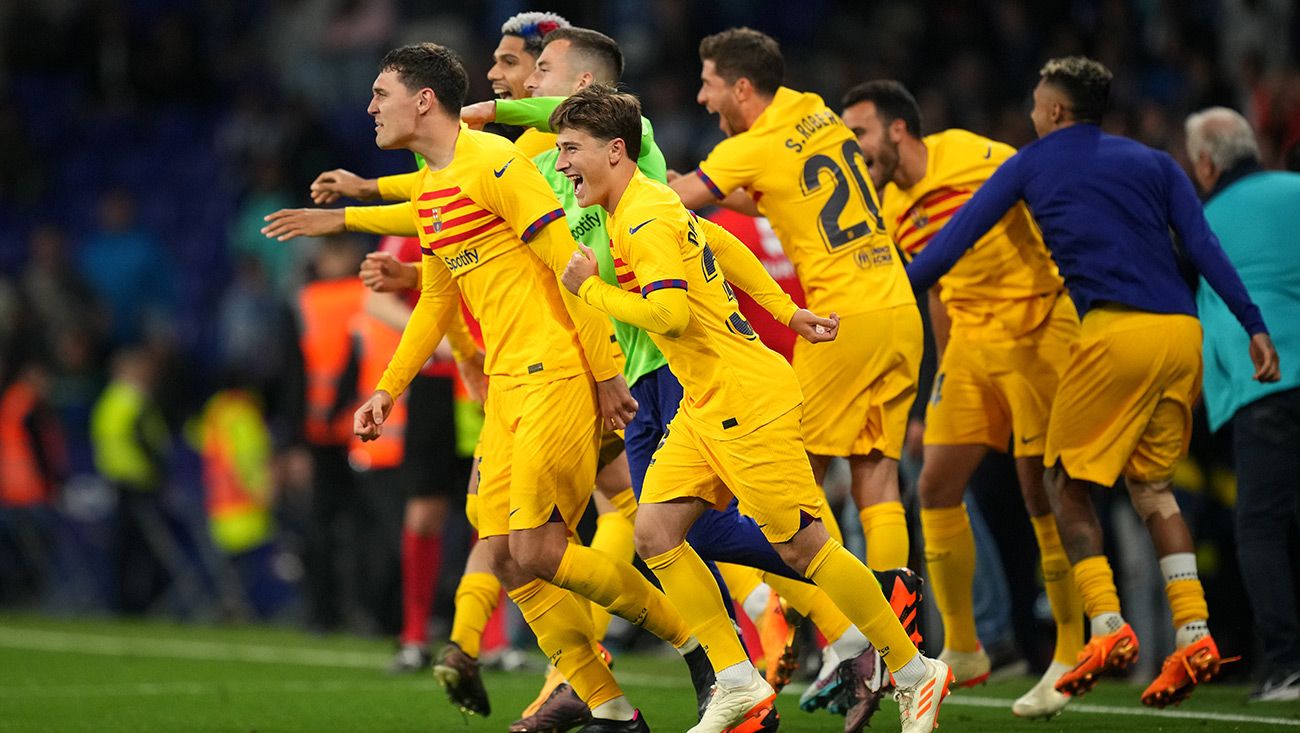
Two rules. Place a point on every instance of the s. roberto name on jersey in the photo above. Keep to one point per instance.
(810, 125)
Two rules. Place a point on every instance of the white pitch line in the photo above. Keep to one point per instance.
(61, 641)
(1083, 707)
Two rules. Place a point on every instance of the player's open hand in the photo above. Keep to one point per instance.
(479, 114)
(471, 373)
(582, 265)
(286, 224)
(813, 327)
(1264, 356)
(617, 407)
(384, 273)
(331, 186)
(368, 421)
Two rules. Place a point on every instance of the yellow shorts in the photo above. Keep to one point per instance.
(766, 469)
(539, 447)
(611, 447)
(858, 389)
(1124, 405)
(991, 385)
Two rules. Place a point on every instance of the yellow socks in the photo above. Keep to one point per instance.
(622, 590)
(950, 558)
(812, 602)
(614, 537)
(684, 576)
(1186, 597)
(1096, 586)
(476, 599)
(885, 525)
(855, 591)
(563, 632)
(741, 581)
(1062, 594)
(625, 502)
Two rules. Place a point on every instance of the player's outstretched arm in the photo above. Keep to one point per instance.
(993, 199)
(397, 220)
(438, 304)
(742, 269)
(331, 186)
(534, 112)
(479, 114)
(692, 190)
(287, 224)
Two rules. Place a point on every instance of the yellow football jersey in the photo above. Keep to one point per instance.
(535, 142)
(475, 217)
(1001, 277)
(805, 171)
(732, 382)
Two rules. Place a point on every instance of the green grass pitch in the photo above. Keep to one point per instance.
(105, 676)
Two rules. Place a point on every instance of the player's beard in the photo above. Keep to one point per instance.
(884, 166)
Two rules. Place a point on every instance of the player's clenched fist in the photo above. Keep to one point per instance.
(582, 265)
(368, 421)
(383, 273)
(813, 327)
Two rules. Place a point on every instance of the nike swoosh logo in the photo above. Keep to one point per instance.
(637, 228)
(988, 152)
(502, 171)
(512, 512)
(1030, 439)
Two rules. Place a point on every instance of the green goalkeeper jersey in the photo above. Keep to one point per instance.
(587, 223)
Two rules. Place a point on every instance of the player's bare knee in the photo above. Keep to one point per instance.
(539, 553)
(652, 538)
(935, 492)
(502, 564)
(1153, 499)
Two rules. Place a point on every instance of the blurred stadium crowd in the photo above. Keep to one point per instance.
(142, 142)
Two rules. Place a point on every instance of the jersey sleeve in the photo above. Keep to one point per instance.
(651, 162)
(395, 219)
(654, 254)
(733, 164)
(743, 270)
(534, 112)
(998, 194)
(439, 302)
(1188, 220)
(398, 187)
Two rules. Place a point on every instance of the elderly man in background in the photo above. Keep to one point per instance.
(1255, 215)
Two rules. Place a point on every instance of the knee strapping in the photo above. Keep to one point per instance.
(1153, 498)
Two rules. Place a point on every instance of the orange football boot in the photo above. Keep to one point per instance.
(1183, 671)
(778, 633)
(1102, 654)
